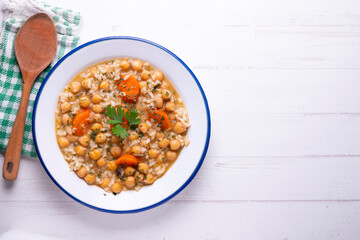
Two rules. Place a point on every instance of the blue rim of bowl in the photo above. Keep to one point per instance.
(202, 93)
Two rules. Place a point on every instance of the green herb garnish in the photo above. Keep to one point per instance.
(119, 131)
(93, 135)
(117, 115)
(133, 117)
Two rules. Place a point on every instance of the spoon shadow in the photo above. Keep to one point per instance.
(7, 185)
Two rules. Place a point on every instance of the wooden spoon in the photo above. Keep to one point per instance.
(35, 47)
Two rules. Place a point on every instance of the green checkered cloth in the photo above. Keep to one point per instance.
(16, 12)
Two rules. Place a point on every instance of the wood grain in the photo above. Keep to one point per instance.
(284, 158)
(275, 220)
(13, 150)
(35, 47)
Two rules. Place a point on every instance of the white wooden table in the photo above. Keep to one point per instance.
(283, 83)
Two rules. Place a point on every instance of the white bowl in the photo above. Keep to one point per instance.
(182, 171)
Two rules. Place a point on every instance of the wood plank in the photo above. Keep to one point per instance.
(245, 178)
(306, 47)
(177, 220)
(284, 159)
(281, 91)
(251, 47)
(285, 135)
(227, 12)
(248, 35)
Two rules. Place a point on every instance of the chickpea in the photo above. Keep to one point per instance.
(166, 94)
(74, 87)
(72, 138)
(145, 142)
(160, 135)
(98, 117)
(171, 116)
(96, 99)
(136, 149)
(81, 172)
(95, 154)
(143, 168)
(170, 106)
(164, 85)
(63, 142)
(153, 153)
(130, 182)
(66, 119)
(174, 144)
(149, 179)
(145, 74)
(163, 143)
(179, 128)
(112, 165)
(171, 156)
(84, 102)
(105, 85)
(142, 84)
(97, 108)
(69, 130)
(90, 179)
(96, 127)
(101, 162)
(84, 140)
(144, 127)
(114, 139)
(116, 187)
(125, 65)
(100, 138)
(65, 107)
(146, 65)
(105, 182)
(158, 75)
(133, 136)
(161, 158)
(137, 65)
(158, 102)
(80, 150)
(139, 176)
(71, 97)
(115, 151)
(94, 71)
(86, 83)
(129, 171)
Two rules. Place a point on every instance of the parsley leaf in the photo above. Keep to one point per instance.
(119, 130)
(116, 114)
(133, 117)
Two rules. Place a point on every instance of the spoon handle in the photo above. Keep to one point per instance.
(13, 150)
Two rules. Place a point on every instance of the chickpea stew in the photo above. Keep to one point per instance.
(121, 124)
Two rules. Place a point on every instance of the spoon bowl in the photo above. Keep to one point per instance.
(35, 44)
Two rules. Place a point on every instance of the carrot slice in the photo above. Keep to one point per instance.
(130, 86)
(81, 122)
(160, 117)
(128, 160)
